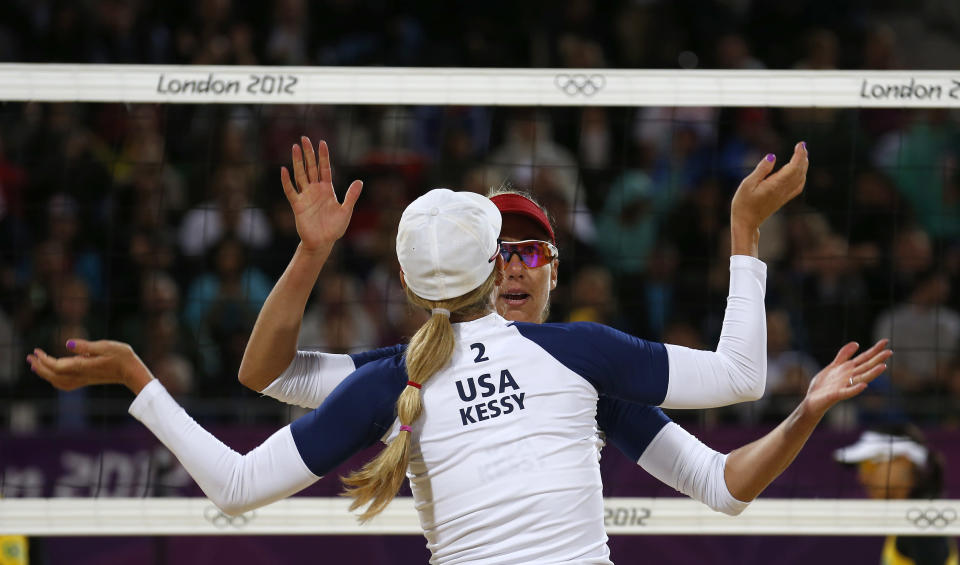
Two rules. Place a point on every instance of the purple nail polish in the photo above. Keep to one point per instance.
(804, 144)
(770, 157)
(71, 344)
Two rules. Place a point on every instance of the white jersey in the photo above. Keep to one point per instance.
(504, 466)
(504, 463)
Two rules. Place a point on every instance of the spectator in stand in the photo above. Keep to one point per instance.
(593, 298)
(925, 332)
(821, 52)
(158, 331)
(215, 35)
(64, 227)
(834, 299)
(733, 52)
(923, 159)
(337, 320)
(627, 226)
(912, 259)
(529, 146)
(288, 43)
(223, 302)
(229, 213)
(896, 463)
(753, 132)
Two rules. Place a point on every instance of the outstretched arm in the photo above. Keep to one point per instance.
(752, 467)
(668, 452)
(288, 461)
(321, 221)
(727, 483)
(736, 371)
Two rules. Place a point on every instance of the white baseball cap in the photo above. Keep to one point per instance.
(447, 243)
(875, 446)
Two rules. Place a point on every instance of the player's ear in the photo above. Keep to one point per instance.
(554, 273)
(403, 282)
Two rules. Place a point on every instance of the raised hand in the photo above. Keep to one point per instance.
(844, 377)
(95, 362)
(761, 194)
(321, 218)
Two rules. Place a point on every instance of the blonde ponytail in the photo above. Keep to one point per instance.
(429, 351)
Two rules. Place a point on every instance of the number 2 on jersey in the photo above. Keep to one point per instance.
(480, 350)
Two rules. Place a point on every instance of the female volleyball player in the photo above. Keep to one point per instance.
(643, 433)
(735, 372)
(492, 421)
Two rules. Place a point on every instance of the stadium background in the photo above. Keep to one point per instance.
(106, 215)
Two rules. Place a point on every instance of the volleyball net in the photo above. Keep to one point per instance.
(143, 203)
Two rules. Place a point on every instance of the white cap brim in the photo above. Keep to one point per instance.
(875, 446)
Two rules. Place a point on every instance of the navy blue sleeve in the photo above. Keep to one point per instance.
(629, 427)
(355, 415)
(361, 359)
(617, 364)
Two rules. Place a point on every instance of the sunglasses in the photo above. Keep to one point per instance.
(533, 253)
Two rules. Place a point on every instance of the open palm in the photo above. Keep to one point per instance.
(321, 218)
(94, 363)
(845, 377)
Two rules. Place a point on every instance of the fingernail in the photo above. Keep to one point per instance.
(71, 344)
(770, 157)
(804, 144)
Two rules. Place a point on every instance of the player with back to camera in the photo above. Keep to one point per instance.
(520, 485)
(643, 433)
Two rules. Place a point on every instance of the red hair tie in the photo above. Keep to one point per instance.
(413, 384)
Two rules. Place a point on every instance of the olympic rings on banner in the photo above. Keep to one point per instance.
(216, 517)
(577, 84)
(937, 518)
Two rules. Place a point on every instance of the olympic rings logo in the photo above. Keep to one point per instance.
(577, 84)
(931, 517)
(216, 517)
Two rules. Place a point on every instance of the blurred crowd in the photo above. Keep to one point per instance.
(165, 225)
(812, 34)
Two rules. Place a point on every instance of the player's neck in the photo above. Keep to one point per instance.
(455, 318)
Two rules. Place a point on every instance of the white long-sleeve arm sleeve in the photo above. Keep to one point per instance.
(235, 483)
(736, 371)
(683, 462)
(310, 378)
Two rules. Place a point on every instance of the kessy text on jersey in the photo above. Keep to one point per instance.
(505, 393)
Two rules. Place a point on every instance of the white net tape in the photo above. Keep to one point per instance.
(631, 516)
(496, 87)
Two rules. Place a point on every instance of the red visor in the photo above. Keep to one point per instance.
(516, 204)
